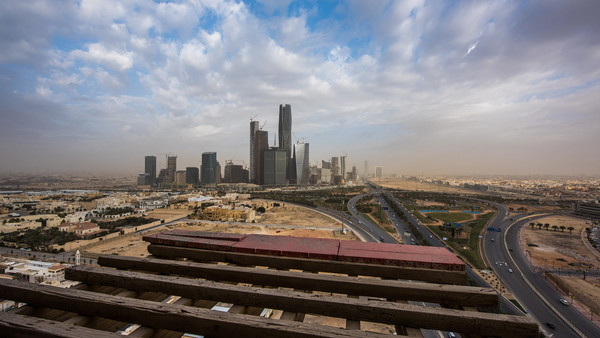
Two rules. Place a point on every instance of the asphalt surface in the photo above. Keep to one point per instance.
(529, 287)
(375, 230)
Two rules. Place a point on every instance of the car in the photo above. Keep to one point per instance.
(492, 239)
(451, 335)
(430, 236)
(550, 325)
(564, 302)
(510, 270)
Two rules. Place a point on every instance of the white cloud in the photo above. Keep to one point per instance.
(113, 59)
(389, 73)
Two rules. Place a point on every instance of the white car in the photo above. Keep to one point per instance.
(564, 302)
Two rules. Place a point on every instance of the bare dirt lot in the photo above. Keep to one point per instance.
(556, 249)
(304, 223)
(294, 215)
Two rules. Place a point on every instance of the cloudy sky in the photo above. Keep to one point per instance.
(434, 87)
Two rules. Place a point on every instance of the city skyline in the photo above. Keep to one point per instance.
(461, 88)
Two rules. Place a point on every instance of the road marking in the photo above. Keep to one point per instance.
(531, 285)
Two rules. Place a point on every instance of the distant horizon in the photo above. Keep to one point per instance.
(463, 87)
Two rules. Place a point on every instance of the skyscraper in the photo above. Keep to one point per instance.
(343, 166)
(171, 168)
(366, 173)
(335, 166)
(261, 143)
(285, 138)
(253, 170)
(192, 175)
(378, 172)
(275, 166)
(302, 165)
(208, 169)
(150, 169)
(235, 173)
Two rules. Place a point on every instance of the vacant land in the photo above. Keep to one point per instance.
(558, 249)
(302, 223)
(294, 215)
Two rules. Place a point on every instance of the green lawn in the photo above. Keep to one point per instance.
(471, 254)
(450, 217)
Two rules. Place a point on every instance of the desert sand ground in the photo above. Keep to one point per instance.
(304, 223)
(294, 215)
(555, 249)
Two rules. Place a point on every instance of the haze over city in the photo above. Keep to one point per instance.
(465, 87)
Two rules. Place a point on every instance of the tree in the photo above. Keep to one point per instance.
(546, 226)
(555, 227)
(531, 225)
(570, 229)
(539, 225)
(562, 228)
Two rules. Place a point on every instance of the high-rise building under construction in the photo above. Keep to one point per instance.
(343, 166)
(285, 139)
(171, 168)
(254, 127)
(301, 163)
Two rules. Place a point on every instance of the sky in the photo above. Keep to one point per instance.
(418, 87)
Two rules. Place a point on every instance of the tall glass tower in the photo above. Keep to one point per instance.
(209, 168)
(285, 138)
(302, 164)
(150, 169)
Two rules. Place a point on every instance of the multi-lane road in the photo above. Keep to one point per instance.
(534, 293)
(529, 287)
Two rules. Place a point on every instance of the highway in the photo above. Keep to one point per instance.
(532, 291)
(375, 230)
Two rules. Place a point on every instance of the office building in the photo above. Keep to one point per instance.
(275, 167)
(366, 173)
(209, 168)
(301, 163)
(285, 138)
(171, 168)
(261, 143)
(325, 164)
(143, 179)
(378, 172)
(180, 177)
(325, 176)
(343, 166)
(235, 173)
(335, 166)
(150, 169)
(192, 175)
(254, 160)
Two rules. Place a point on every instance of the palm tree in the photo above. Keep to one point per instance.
(531, 225)
(540, 225)
(570, 229)
(562, 228)
(546, 226)
(555, 227)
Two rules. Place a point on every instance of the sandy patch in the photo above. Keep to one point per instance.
(294, 221)
(556, 249)
(294, 215)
